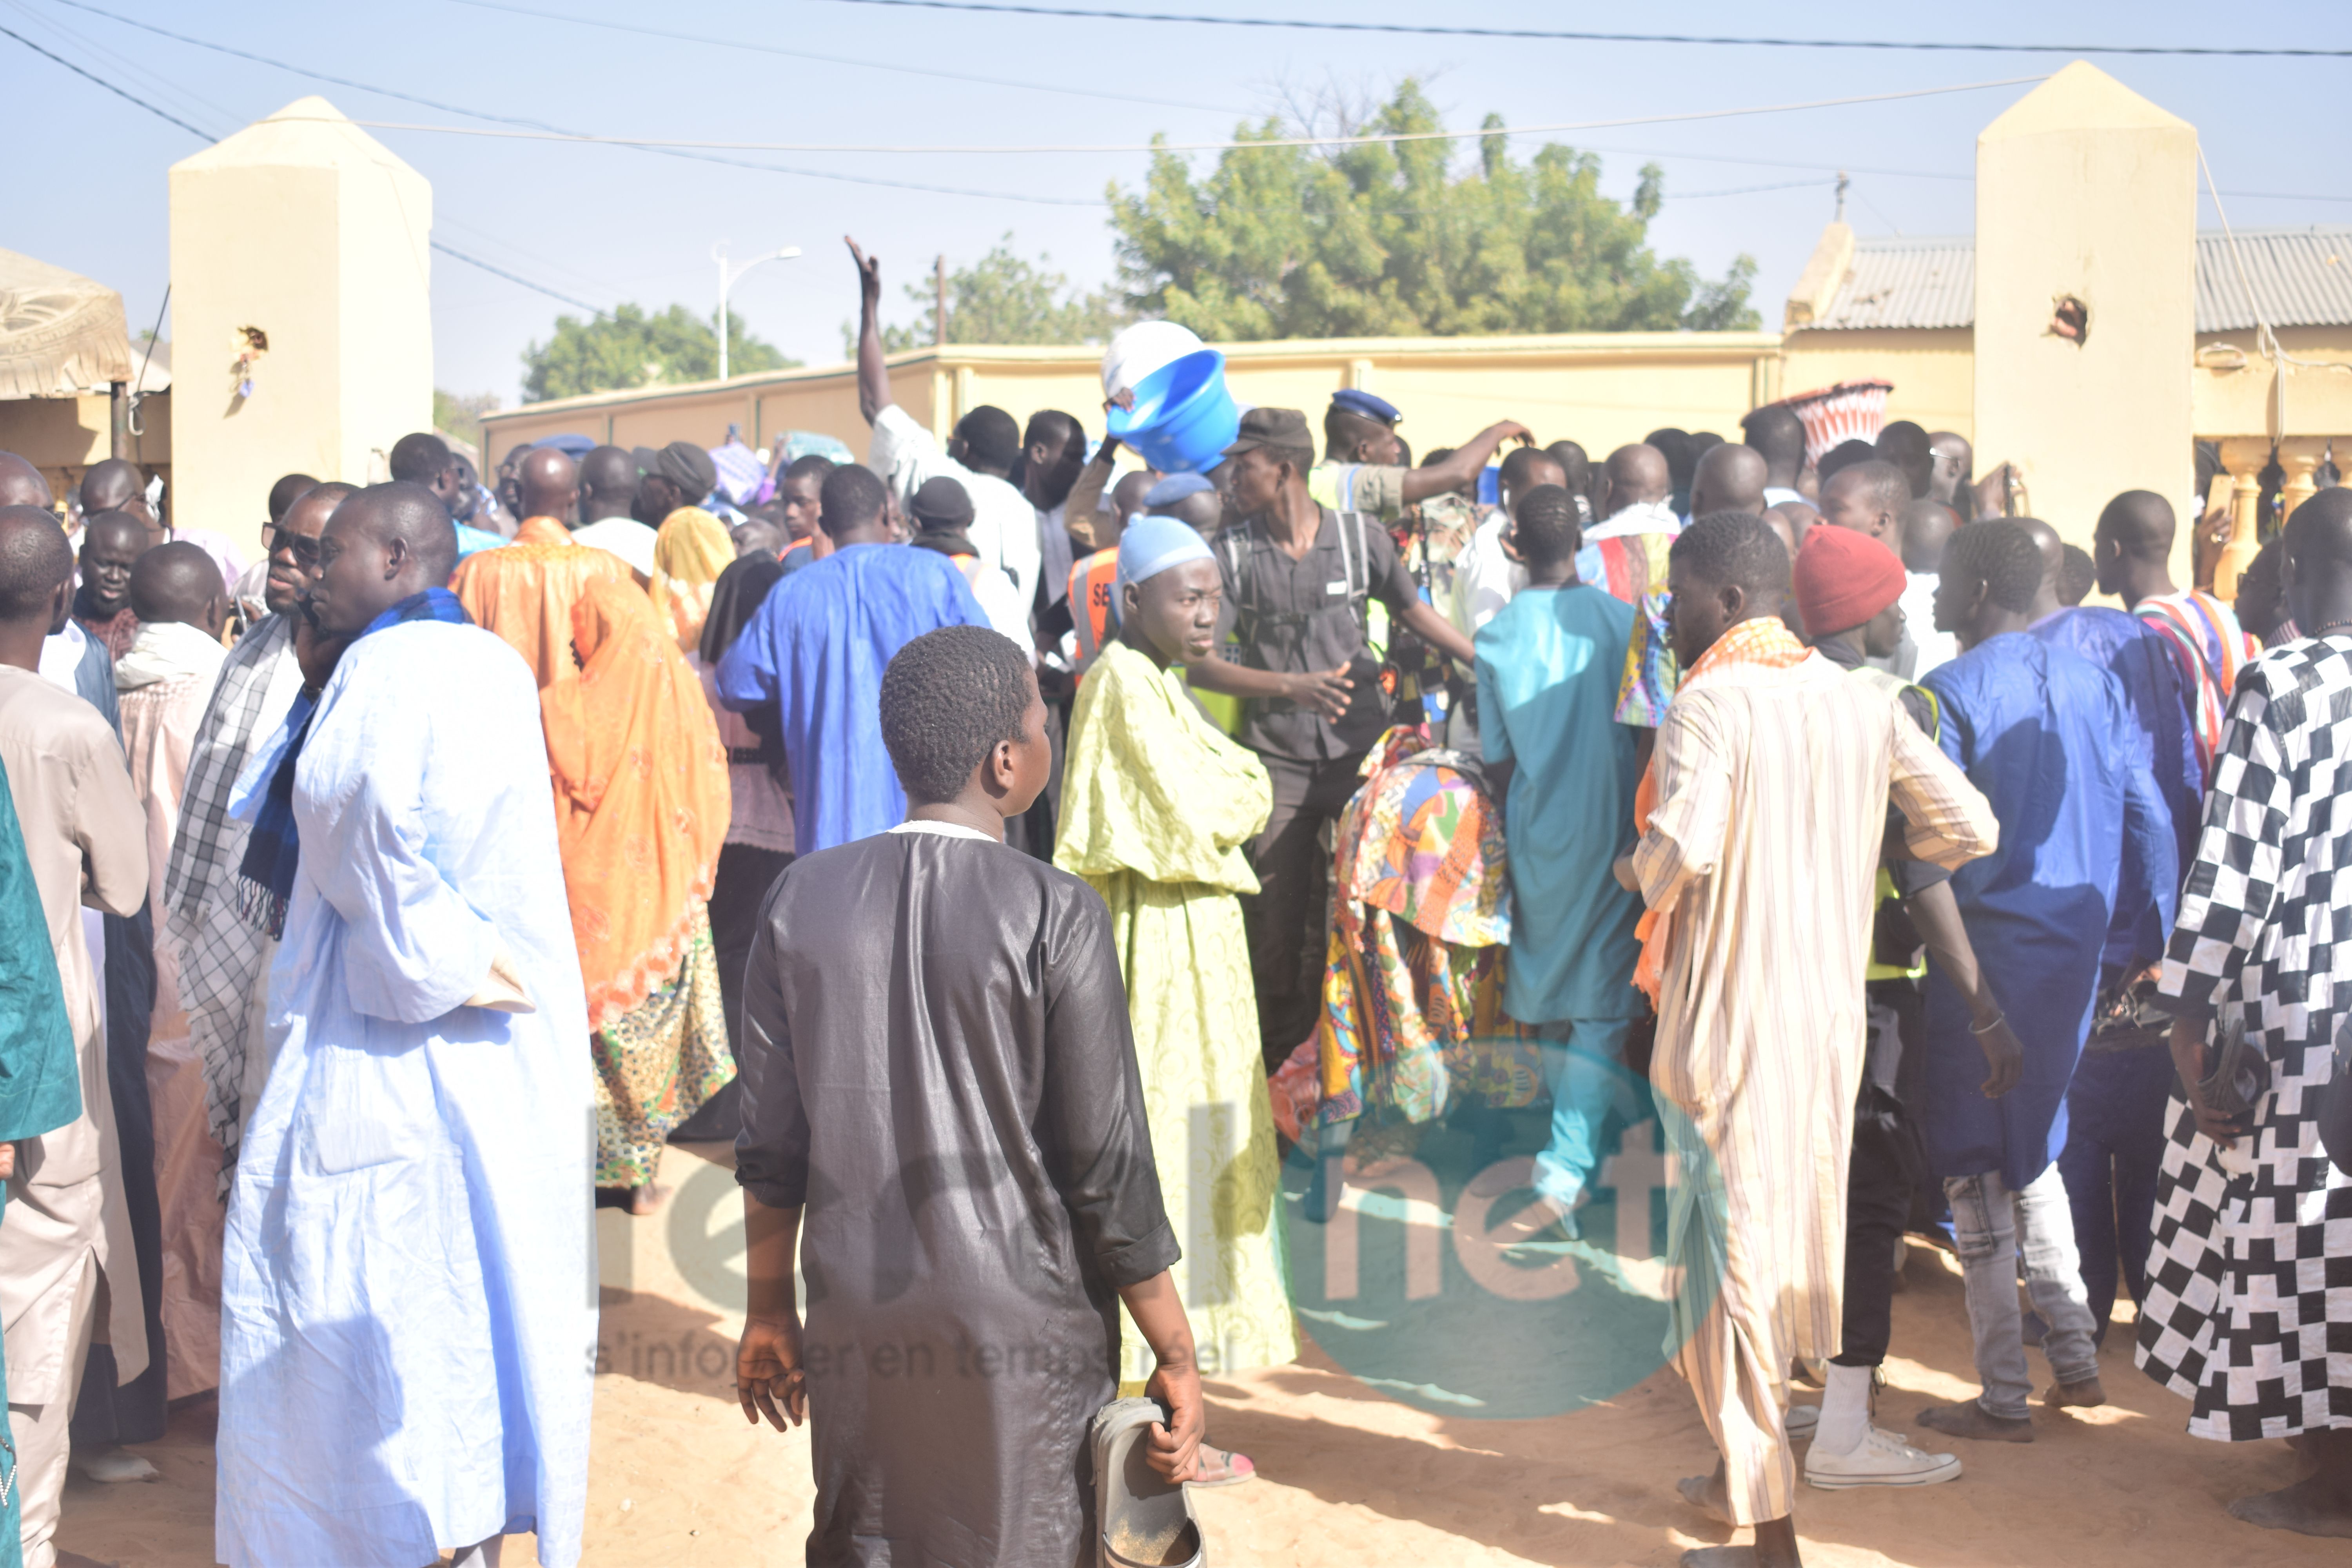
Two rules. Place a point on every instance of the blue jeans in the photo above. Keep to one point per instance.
(2114, 1140)
(1992, 1225)
(1584, 1067)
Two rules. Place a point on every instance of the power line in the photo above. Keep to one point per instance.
(833, 59)
(1557, 35)
(1256, 143)
(210, 140)
(541, 125)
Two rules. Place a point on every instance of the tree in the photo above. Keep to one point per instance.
(1003, 299)
(1393, 239)
(629, 347)
(461, 415)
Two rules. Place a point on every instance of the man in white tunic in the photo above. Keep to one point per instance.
(65, 1240)
(408, 1312)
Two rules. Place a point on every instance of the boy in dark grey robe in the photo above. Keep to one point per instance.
(938, 1078)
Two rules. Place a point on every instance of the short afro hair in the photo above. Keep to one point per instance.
(1547, 523)
(1735, 549)
(1998, 552)
(990, 439)
(947, 698)
(1845, 455)
(420, 459)
(851, 497)
(815, 463)
(33, 559)
(2078, 577)
(1881, 482)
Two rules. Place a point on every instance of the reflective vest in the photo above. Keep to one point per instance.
(1094, 605)
(1894, 686)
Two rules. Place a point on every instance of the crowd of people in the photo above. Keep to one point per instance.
(1016, 858)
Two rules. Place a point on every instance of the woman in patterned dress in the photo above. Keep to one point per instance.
(641, 810)
(2249, 1309)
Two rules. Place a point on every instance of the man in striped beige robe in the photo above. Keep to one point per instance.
(1761, 825)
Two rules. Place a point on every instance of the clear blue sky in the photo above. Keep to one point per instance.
(87, 187)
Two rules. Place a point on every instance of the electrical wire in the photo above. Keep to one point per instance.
(210, 140)
(1374, 139)
(830, 60)
(1556, 34)
(555, 132)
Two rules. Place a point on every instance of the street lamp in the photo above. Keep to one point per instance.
(728, 280)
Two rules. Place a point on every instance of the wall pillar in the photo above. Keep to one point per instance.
(2086, 193)
(306, 229)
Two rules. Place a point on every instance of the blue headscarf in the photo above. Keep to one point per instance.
(1152, 544)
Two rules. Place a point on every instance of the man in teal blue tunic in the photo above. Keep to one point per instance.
(40, 1084)
(1548, 667)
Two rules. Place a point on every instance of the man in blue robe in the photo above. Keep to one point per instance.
(2046, 736)
(408, 1318)
(2114, 1111)
(811, 661)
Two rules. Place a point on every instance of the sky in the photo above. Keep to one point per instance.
(86, 170)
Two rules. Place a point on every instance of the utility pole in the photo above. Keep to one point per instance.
(940, 302)
(728, 280)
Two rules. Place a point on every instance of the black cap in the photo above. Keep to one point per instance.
(683, 464)
(941, 505)
(1272, 427)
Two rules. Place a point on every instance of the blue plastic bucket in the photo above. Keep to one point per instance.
(1184, 418)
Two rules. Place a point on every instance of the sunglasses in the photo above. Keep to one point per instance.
(302, 547)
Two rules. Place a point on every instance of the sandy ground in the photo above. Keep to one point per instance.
(1348, 1473)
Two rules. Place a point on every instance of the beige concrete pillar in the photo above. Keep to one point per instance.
(2086, 196)
(304, 228)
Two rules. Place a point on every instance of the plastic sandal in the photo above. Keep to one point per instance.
(1222, 1467)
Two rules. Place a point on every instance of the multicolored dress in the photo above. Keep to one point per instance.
(1421, 917)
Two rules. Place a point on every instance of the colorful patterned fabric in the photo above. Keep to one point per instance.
(658, 1063)
(1633, 567)
(1421, 915)
(2210, 648)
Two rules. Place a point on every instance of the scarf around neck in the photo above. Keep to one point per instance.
(168, 650)
(1763, 642)
(265, 877)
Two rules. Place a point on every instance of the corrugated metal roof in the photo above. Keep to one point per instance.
(1905, 283)
(2302, 277)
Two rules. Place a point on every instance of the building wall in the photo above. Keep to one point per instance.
(1933, 370)
(1599, 389)
(62, 437)
(304, 227)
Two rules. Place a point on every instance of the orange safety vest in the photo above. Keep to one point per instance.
(1094, 604)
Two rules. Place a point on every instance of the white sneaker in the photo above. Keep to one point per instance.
(1800, 1421)
(1880, 1459)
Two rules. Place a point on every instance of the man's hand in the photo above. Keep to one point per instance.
(869, 274)
(768, 1378)
(1992, 492)
(2004, 1058)
(316, 653)
(1327, 691)
(2191, 1058)
(1176, 1446)
(7, 1160)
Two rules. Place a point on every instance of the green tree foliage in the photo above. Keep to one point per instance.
(461, 414)
(1003, 299)
(629, 347)
(1399, 241)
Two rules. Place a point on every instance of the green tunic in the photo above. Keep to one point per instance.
(1157, 807)
(40, 1079)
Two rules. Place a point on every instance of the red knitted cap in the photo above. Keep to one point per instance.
(1844, 578)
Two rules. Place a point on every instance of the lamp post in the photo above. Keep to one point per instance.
(728, 278)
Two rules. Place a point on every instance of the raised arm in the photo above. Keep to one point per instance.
(873, 373)
(1462, 464)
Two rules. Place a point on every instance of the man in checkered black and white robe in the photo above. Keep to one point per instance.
(2249, 1309)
